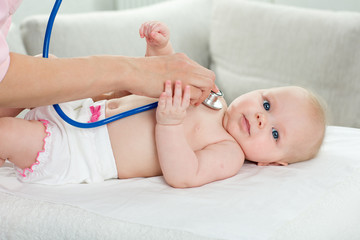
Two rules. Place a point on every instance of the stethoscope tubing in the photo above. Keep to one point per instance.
(58, 109)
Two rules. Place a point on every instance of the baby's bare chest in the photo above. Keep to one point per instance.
(133, 139)
(201, 128)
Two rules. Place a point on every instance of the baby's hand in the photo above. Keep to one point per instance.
(157, 34)
(171, 109)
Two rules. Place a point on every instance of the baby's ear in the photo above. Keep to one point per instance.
(273, 164)
(279, 163)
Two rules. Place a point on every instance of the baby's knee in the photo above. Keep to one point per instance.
(9, 127)
(6, 126)
(5, 131)
(4, 122)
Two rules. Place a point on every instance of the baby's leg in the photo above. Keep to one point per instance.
(21, 140)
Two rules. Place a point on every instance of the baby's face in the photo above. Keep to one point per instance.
(269, 123)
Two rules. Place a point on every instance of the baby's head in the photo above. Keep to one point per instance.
(277, 126)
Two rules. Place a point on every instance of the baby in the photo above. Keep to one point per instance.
(190, 146)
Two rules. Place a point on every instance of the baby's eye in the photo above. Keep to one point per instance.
(275, 134)
(266, 105)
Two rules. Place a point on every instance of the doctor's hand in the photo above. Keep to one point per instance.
(152, 72)
(172, 106)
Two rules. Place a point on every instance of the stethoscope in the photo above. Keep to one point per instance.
(211, 101)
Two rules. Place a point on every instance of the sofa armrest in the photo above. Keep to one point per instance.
(14, 40)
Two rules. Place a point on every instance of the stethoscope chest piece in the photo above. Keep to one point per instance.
(213, 101)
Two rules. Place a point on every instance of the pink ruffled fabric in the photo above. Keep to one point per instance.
(37, 162)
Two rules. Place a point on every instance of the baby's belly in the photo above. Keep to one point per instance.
(133, 138)
(133, 144)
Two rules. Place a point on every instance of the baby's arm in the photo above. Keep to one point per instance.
(157, 36)
(181, 166)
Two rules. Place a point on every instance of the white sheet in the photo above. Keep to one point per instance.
(258, 203)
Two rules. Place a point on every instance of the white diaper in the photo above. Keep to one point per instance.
(70, 154)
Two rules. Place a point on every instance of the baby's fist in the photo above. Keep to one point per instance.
(157, 34)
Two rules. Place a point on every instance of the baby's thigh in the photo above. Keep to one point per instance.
(21, 140)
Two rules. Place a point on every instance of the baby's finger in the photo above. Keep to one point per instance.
(186, 98)
(168, 91)
(157, 28)
(141, 30)
(162, 102)
(177, 94)
(157, 37)
(149, 29)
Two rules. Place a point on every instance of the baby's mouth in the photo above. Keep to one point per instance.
(245, 124)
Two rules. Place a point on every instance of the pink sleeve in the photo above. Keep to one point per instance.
(7, 8)
(4, 56)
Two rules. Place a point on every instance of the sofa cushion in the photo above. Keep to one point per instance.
(117, 32)
(14, 40)
(259, 45)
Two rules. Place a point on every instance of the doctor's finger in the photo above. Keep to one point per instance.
(195, 94)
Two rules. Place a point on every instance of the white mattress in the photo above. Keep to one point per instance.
(317, 199)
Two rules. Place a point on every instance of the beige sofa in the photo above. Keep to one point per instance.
(249, 45)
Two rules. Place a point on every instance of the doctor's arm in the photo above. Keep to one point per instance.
(32, 82)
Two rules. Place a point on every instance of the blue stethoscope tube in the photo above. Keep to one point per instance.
(57, 107)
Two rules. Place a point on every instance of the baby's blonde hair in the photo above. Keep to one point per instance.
(311, 148)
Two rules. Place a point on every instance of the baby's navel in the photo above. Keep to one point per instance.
(111, 104)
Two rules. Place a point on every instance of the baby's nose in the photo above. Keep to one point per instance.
(261, 120)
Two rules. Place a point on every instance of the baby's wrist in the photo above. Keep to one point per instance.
(158, 51)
